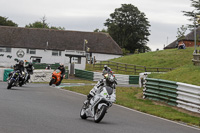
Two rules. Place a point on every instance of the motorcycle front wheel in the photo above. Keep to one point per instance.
(100, 114)
(82, 113)
(51, 81)
(10, 84)
(21, 83)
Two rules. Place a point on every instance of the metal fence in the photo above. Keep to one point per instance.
(173, 93)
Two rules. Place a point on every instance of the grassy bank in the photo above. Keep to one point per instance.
(186, 74)
(132, 98)
(172, 58)
(185, 71)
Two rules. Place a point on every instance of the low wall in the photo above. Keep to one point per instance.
(96, 76)
(2, 73)
(37, 76)
(173, 93)
(41, 75)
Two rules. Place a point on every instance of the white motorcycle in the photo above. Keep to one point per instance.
(99, 104)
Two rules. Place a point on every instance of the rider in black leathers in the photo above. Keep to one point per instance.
(29, 69)
(62, 69)
(20, 67)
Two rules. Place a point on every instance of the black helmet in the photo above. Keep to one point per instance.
(21, 62)
(30, 63)
(61, 65)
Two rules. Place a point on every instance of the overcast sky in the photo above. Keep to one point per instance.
(165, 16)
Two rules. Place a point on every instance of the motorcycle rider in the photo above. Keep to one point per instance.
(62, 69)
(20, 67)
(106, 70)
(101, 82)
(29, 69)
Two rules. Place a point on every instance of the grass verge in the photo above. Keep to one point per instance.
(131, 97)
(186, 74)
(72, 81)
(78, 81)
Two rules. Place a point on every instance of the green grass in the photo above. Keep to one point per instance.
(172, 58)
(77, 81)
(185, 71)
(72, 81)
(187, 74)
(132, 98)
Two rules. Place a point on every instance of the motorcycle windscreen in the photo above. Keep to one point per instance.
(109, 90)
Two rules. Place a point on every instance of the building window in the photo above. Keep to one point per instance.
(56, 53)
(3, 49)
(31, 51)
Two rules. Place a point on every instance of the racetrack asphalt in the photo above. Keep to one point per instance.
(38, 108)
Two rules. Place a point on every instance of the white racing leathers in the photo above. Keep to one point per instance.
(103, 98)
(97, 86)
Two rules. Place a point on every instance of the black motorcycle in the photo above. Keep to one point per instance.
(14, 79)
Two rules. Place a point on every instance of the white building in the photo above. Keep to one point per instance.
(51, 46)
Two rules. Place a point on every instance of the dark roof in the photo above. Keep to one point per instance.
(16, 37)
(188, 37)
(171, 45)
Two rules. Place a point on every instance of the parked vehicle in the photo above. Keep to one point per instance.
(100, 103)
(56, 77)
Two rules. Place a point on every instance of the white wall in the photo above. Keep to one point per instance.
(48, 58)
(45, 54)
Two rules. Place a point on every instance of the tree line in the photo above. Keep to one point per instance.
(4, 21)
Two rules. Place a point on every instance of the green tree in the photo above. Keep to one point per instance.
(43, 24)
(37, 24)
(181, 32)
(5, 22)
(103, 30)
(128, 27)
(192, 14)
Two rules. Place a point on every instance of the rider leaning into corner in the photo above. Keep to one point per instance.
(20, 67)
(102, 82)
(62, 69)
(29, 67)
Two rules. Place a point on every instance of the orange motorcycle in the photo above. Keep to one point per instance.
(56, 78)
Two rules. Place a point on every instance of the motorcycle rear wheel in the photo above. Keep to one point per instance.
(100, 114)
(82, 113)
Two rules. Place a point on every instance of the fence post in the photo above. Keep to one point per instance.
(135, 68)
(145, 69)
(125, 67)
(117, 67)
